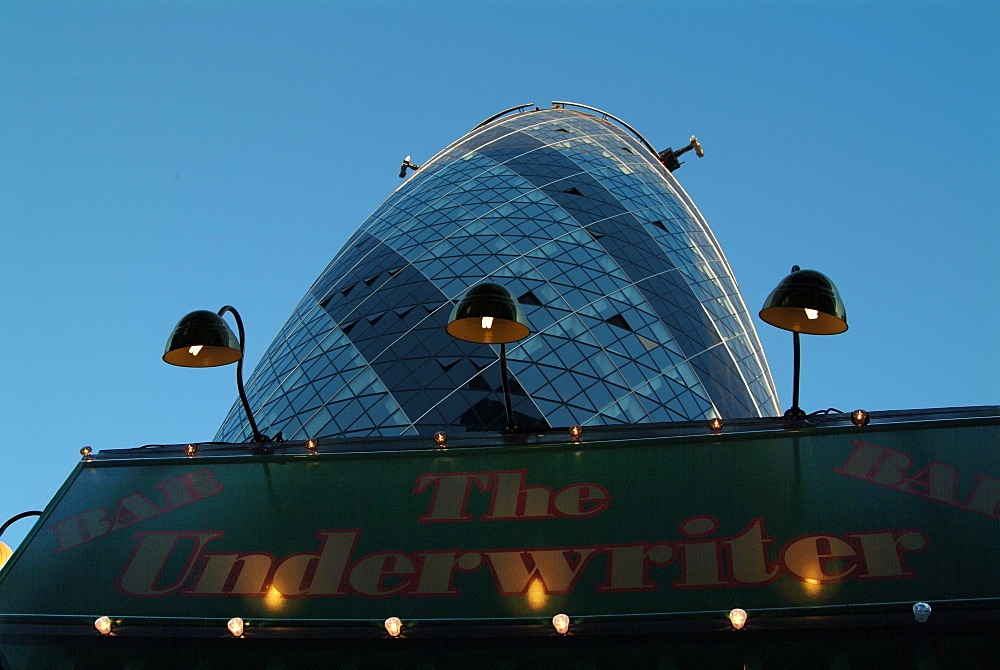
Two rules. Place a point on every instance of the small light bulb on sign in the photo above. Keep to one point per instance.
(191, 449)
(715, 424)
(575, 432)
(561, 623)
(393, 626)
(235, 626)
(86, 451)
(103, 625)
(441, 437)
(738, 618)
(487, 322)
(921, 612)
(311, 446)
(859, 417)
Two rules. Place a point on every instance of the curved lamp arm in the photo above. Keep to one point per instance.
(257, 435)
(18, 517)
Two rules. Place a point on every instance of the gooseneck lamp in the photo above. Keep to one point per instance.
(202, 339)
(489, 314)
(807, 302)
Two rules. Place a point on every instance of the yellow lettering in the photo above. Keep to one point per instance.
(748, 551)
(627, 566)
(145, 568)
(437, 571)
(582, 500)
(515, 570)
(368, 574)
(232, 574)
(807, 558)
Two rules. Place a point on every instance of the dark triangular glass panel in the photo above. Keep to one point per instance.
(530, 298)
(619, 321)
(477, 383)
(448, 363)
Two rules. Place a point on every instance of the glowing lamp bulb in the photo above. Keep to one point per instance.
(921, 612)
(487, 322)
(738, 618)
(441, 437)
(811, 314)
(575, 432)
(85, 451)
(235, 626)
(191, 449)
(393, 626)
(103, 625)
(311, 446)
(196, 349)
(561, 623)
(859, 417)
(715, 424)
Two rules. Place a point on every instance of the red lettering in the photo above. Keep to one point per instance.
(935, 481)
(135, 508)
(80, 528)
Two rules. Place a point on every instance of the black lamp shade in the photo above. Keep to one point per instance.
(470, 320)
(202, 339)
(803, 290)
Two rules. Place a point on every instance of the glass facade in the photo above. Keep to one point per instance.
(634, 311)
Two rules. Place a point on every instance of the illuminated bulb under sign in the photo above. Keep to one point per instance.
(811, 314)
(738, 618)
(103, 625)
(393, 626)
(487, 322)
(859, 417)
(235, 626)
(575, 432)
(921, 612)
(196, 349)
(191, 449)
(311, 446)
(715, 423)
(561, 623)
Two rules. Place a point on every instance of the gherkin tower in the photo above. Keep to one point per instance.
(634, 311)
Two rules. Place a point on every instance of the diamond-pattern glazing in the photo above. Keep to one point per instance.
(634, 311)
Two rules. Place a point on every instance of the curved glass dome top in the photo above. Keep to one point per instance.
(635, 315)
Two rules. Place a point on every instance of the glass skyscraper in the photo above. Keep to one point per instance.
(634, 311)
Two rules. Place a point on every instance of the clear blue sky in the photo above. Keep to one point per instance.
(162, 156)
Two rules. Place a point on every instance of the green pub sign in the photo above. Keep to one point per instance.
(643, 525)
